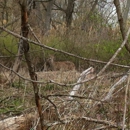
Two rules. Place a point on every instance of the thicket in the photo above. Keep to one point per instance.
(95, 39)
(79, 43)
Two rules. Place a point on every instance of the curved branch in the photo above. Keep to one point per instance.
(57, 50)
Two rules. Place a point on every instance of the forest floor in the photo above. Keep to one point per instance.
(19, 99)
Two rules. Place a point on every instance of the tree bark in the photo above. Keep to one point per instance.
(125, 14)
(39, 14)
(69, 11)
(121, 23)
(85, 24)
(48, 16)
(33, 75)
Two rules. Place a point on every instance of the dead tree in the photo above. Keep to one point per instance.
(25, 30)
(121, 23)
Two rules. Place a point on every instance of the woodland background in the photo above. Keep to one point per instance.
(87, 32)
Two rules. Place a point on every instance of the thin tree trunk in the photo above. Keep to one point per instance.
(48, 16)
(125, 14)
(17, 63)
(33, 76)
(69, 11)
(121, 23)
(85, 23)
(39, 14)
(18, 59)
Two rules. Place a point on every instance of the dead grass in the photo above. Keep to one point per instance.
(61, 113)
(59, 76)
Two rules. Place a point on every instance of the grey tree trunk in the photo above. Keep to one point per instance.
(86, 23)
(39, 14)
(126, 11)
(69, 12)
(17, 63)
(48, 16)
(121, 23)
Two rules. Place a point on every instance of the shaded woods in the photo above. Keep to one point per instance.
(64, 64)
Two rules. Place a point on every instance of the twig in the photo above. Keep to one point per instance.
(116, 53)
(74, 96)
(102, 128)
(81, 78)
(35, 127)
(42, 49)
(15, 20)
(89, 119)
(109, 95)
(25, 88)
(56, 110)
(33, 33)
(24, 78)
(8, 98)
(42, 82)
(125, 105)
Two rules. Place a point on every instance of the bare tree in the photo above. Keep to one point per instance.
(48, 16)
(121, 23)
(126, 11)
(69, 11)
(39, 14)
(33, 76)
(5, 12)
(87, 17)
(24, 49)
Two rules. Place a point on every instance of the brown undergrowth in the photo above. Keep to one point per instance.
(85, 111)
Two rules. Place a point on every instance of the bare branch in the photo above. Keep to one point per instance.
(116, 53)
(57, 50)
(41, 82)
(126, 101)
(109, 95)
(89, 119)
(81, 78)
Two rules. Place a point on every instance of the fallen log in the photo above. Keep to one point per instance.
(22, 122)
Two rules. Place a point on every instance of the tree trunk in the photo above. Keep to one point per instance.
(121, 23)
(69, 12)
(17, 63)
(86, 23)
(33, 76)
(48, 16)
(39, 14)
(125, 14)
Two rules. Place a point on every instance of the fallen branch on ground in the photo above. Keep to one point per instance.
(82, 77)
(109, 95)
(89, 119)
